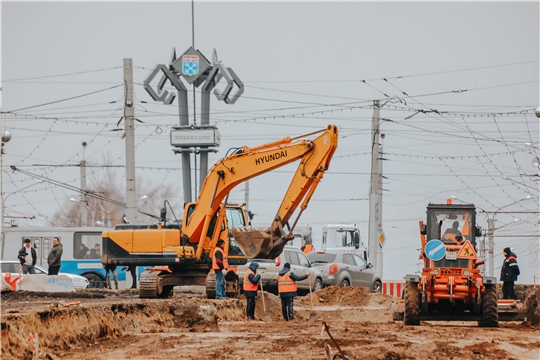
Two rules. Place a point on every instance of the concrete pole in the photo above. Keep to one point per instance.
(1, 173)
(84, 200)
(491, 229)
(186, 156)
(205, 121)
(373, 242)
(129, 118)
(246, 195)
(378, 213)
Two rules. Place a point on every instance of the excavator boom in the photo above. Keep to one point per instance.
(246, 163)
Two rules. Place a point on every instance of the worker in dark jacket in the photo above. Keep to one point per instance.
(287, 290)
(55, 257)
(251, 284)
(509, 273)
(28, 257)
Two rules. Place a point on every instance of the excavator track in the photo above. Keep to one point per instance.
(148, 284)
(232, 285)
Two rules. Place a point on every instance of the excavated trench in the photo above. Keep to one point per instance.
(60, 329)
(120, 317)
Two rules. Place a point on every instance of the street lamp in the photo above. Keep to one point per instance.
(491, 230)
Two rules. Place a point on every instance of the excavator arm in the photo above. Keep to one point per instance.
(246, 163)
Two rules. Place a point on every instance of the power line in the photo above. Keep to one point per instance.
(60, 75)
(67, 99)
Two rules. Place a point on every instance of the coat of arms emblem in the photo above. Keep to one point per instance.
(190, 65)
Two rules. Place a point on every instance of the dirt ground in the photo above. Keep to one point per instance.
(118, 325)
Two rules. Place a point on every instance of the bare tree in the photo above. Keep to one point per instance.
(101, 213)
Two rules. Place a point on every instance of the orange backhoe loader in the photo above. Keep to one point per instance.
(183, 253)
(451, 286)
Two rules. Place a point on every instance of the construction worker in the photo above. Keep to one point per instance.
(287, 290)
(450, 233)
(220, 264)
(251, 284)
(509, 273)
(307, 248)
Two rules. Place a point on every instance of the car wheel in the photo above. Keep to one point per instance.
(95, 281)
(317, 286)
(377, 287)
(345, 282)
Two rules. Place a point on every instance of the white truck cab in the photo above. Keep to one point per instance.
(343, 238)
(302, 235)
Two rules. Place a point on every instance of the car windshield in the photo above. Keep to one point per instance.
(321, 258)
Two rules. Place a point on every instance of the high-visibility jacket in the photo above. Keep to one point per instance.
(248, 285)
(306, 249)
(466, 226)
(215, 261)
(286, 283)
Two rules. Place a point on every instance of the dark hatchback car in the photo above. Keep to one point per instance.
(346, 269)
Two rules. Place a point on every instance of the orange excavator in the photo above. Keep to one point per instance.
(181, 255)
(451, 286)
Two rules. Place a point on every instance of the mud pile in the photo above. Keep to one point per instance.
(61, 329)
(338, 295)
(531, 306)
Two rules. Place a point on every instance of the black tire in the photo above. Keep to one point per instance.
(95, 281)
(317, 285)
(377, 287)
(345, 282)
(490, 315)
(411, 315)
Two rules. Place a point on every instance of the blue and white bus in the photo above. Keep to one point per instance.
(74, 260)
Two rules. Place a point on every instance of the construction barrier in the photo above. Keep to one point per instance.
(42, 282)
(393, 287)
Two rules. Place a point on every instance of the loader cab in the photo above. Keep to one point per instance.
(452, 224)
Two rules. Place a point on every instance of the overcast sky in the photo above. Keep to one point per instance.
(471, 68)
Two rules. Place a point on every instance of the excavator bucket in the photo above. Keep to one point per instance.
(257, 244)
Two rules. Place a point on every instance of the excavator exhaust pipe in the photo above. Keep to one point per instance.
(257, 244)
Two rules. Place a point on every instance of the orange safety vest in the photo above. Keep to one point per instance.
(308, 248)
(248, 285)
(286, 284)
(214, 260)
(466, 226)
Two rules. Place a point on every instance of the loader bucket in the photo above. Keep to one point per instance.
(257, 244)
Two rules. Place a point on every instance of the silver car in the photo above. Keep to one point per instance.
(12, 266)
(346, 269)
(300, 265)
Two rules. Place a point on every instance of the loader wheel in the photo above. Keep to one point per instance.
(490, 315)
(412, 304)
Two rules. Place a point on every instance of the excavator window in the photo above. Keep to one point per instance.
(235, 218)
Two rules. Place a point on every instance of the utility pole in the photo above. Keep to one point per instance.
(246, 194)
(84, 200)
(375, 193)
(129, 116)
(491, 229)
(378, 218)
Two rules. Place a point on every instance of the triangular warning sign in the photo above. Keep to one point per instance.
(467, 251)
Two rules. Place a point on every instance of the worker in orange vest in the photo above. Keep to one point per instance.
(251, 284)
(307, 248)
(287, 290)
(220, 264)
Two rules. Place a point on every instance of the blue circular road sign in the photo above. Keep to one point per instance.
(435, 250)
